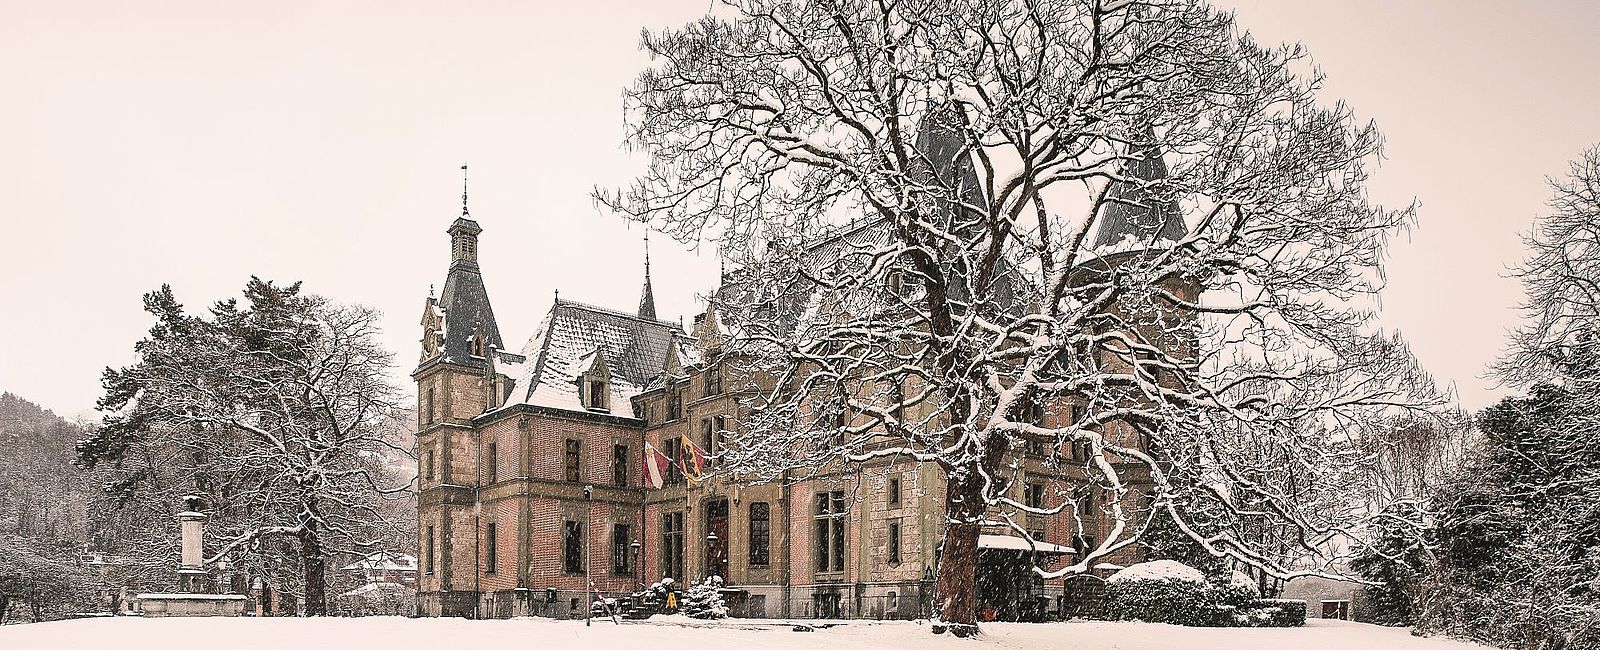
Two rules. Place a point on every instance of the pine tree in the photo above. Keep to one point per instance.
(704, 600)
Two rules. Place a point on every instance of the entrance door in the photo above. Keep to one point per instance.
(717, 538)
(828, 605)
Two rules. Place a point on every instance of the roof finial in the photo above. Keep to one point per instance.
(647, 299)
(464, 189)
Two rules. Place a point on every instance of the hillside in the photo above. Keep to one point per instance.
(44, 514)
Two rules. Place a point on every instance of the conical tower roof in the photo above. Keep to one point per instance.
(1135, 208)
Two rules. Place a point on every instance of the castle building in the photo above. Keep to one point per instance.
(534, 480)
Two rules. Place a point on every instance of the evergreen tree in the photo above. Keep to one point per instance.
(1397, 561)
(277, 411)
(704, 599)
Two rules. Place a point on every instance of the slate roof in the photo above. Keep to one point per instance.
(634, 348)
(1137, 209)
(940, 163)
(466, 304)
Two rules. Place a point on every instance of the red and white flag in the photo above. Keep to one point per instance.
(655, 466)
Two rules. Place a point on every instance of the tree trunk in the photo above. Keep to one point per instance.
(5, 607)
(315, 573)
(957, 589)
(965, 506)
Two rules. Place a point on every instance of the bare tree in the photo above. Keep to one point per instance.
(1126, 214)
(278, 413)
(1562, 279)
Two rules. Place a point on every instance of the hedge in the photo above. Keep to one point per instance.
(1166, 597)
(1270, 612)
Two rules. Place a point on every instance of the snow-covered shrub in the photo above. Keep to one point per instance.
(1163, 591)
(1238, 591)
(704, 599)
(1270, 612)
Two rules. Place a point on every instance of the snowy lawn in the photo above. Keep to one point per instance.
(395, 633)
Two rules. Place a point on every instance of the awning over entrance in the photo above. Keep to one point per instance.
(1012, 543)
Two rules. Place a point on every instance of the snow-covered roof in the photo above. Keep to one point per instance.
(1014, 543)
(383, 561)
(377, 588)
(569, 340)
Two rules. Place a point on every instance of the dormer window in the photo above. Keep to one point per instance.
(594, 383)
(713, 380)
(674, 403)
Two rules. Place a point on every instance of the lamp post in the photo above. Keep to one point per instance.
(638, 569)
(711, 555)
(588, 580)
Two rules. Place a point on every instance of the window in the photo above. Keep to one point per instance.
(574, 464)
(619, 465)
(1030, 410)
(713, 380)
(713, 435)
(760, 534)
(721, 438)
(674, 403)
(708, 438)
(572, 548)
(672, 545)
(597, 394)
(829, 522)
(428, 552)
(621, 561)
(427, 407)
(894, 542)
(493, 463)
(1083, 544)
(427, 464)
(1037, 535)
(899, 408)
(894, 491)
(1033, 495)
(491, 553)
(673, 447)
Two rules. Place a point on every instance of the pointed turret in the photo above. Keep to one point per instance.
(1135, 207)
(941, 159)
(647, 300)
(466, 315)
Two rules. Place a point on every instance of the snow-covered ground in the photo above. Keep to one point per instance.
(396, 633)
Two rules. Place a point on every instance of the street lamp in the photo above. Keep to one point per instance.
(588, 579)
(712, 566)
(638, 569)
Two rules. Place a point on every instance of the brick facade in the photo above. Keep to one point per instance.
(486, 462)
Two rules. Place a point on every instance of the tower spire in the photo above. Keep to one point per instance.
(464, 190)
(647, 301)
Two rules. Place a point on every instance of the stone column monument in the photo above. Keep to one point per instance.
(195, 597)
(192, 575)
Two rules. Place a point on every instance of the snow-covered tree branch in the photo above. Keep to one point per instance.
(1123, 231)
(275, 410)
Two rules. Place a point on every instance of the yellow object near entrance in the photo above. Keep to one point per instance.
(672, 600)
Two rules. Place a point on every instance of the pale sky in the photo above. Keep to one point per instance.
(198, 143)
